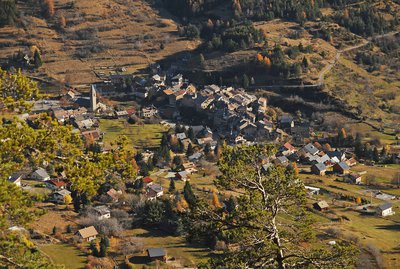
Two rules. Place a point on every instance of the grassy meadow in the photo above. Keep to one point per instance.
(141, 136)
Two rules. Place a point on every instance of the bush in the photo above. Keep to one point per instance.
(334, 232)
(85, 34)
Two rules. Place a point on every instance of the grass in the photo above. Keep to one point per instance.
(361, 92)
(175, 246)
(66, 255)
(380, 232)
(141, 136)
(37, 187)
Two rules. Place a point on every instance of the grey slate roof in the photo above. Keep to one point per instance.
(344, 165)
(311, 149)
(320, 166)
(156, 252)
(14, 177)
(102, 209)
(385, 206)
(155, 187)
(42, 173)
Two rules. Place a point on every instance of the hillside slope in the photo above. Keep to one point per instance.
(100, 36)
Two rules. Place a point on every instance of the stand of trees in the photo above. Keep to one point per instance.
(365, 20)
(8, 12)
(228, 36)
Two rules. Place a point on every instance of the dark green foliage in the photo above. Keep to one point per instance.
(189, 150)
(190, 134)
(8, 12)
(189, 195)
(54, 232)
(172, 187)
(299, 11)
(37, 59)
(144, 169)
(69, 229)
(104, 244)
(152, 214)
(231, 205)
(185, 8)
(138, 185)
(365, 20)
(246, 81)
(93, 248)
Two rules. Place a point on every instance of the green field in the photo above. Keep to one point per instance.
(175, 246)
(65, 255)
(383, 233)
(141, 136)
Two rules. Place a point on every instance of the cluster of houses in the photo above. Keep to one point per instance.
(234, 114)
(320, 160)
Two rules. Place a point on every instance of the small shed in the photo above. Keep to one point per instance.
(321, 205)
(157, 254)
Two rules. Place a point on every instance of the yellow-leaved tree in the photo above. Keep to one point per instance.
(16, 90)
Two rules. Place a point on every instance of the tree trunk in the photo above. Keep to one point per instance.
(279, 253)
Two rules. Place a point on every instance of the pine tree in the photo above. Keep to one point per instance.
(54, 230)
(189, 195)
(305, 62)
(93, 248)
(8, 12)
(104, 243)
(139, 184)
(246, 81)
(231, 204)
(172, 187)
(376, 154)
(191, 134)
(189, 150)
(37, 59)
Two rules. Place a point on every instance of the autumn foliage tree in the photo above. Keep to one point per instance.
(62, 22)
(215, 200)
(48, 8)
(16, 90)
(267, 62)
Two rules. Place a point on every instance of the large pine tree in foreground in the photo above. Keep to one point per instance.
(269, 226)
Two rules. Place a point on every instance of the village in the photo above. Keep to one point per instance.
(197, 122)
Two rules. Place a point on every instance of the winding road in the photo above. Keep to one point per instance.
(328, 68)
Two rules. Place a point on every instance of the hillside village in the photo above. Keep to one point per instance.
(223, 115)
(199, 134)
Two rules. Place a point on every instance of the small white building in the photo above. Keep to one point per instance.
(40, 174)
(102, 212)
(385, 210)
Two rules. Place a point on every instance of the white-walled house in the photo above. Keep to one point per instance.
(385, 210)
